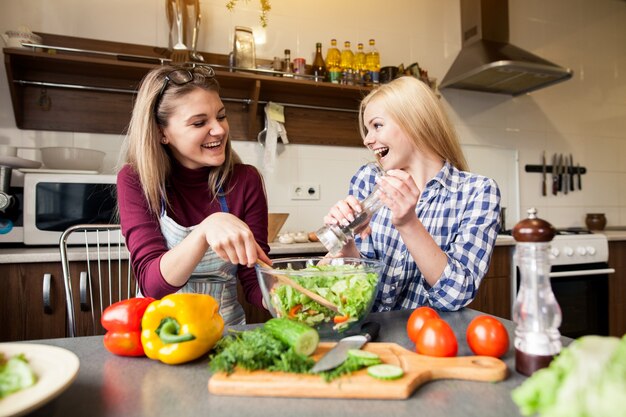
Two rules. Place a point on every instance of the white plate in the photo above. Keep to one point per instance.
(55, 171)
(17, 162)
(55, 367)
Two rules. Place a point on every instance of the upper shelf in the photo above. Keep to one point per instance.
(87, 85)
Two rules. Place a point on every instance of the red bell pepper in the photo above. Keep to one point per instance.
(122, 320)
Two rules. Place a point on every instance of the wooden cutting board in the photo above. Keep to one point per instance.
(418, 369)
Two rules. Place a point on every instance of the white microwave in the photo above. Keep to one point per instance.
(54, 202)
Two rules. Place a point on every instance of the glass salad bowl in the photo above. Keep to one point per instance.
(344, 287)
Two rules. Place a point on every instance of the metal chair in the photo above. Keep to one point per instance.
(96, 273)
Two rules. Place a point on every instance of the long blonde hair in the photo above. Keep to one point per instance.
(417, 110)
(143, 150)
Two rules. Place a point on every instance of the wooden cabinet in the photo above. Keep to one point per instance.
(33, 301)
(494, 294)
(617, 288)
(87, 85)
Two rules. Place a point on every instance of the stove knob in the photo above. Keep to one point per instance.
(591, 250)
(568, 251)
(555, 252)
(581, 251)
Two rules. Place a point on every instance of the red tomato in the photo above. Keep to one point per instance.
(487, 336)
(417, 319)
(436, 338)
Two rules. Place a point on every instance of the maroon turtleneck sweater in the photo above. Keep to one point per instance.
(191, 202)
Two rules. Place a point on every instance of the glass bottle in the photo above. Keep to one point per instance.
(319, 68)
(333, 59)
(347, 64)
(536, 310)
(335, 237)
(373, 63)
(287, 65)
(360, 67)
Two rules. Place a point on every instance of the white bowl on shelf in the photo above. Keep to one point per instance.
(67, 158)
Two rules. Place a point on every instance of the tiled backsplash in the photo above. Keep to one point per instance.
(585, 116)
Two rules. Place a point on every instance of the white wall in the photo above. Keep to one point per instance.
(585, 116)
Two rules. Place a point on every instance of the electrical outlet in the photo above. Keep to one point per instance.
(305, 192)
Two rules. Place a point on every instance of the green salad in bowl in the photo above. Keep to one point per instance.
(350, 284)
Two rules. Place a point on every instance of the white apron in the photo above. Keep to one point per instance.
(212, 276)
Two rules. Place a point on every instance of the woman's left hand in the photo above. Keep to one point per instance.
(400, 194)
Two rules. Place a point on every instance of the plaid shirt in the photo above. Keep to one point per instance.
(460, 210)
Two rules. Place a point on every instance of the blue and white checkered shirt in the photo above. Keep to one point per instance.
(460, 210)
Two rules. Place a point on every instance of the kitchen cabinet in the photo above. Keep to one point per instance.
(494, 294)
(617, 288)
(33, 301)
(92, 90)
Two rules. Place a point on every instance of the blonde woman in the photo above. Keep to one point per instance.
(437, 228)
(194, 217)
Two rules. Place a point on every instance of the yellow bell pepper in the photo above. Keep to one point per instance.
(181, 327)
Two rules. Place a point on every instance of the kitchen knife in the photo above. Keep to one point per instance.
(560, 173)
(338, 354)
(544, 185)
(571, 172)
(555, 176)
(580, 184)
(566, 175)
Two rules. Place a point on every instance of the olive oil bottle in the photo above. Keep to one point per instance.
(347, 64)
(333, 59)
(373, 63)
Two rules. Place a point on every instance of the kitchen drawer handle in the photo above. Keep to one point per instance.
(84, 305)
(582, 273)
(47, 302)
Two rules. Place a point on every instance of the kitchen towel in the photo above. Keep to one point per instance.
(275, 130)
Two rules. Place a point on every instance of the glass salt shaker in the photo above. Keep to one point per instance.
(335, 237)
(536, 310)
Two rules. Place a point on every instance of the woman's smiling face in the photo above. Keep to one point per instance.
(392, 147)
(197, 131)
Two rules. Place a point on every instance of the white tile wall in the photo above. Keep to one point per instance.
(585, 116)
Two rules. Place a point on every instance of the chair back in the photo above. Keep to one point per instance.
(96, 274)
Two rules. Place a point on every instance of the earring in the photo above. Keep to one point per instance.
(164, 141)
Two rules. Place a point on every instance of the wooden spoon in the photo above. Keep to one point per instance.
(312, 295)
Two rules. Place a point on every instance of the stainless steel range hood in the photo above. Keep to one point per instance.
(488, 62)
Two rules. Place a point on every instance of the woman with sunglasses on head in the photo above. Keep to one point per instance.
(436, 230)
(193, 215)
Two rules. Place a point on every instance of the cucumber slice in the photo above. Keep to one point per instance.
(385, 371)
(364, 357)
(302, 338)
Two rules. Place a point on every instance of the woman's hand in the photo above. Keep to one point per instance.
(342, 213)
(232, 240)
(400, 194)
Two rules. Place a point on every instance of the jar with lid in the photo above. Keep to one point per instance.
(335, 237)
(536, 310)
(595, 221)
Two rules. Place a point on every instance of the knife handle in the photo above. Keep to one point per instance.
(544, 188)
(555, 184)
(370, 330)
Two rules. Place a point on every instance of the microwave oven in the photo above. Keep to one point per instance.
(53, 202)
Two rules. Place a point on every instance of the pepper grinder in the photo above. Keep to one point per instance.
(536, 310)
(335, 237)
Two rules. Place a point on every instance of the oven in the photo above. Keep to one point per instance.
(579, 277)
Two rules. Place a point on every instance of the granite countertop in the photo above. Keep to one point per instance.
(51, 253)
(109, 385)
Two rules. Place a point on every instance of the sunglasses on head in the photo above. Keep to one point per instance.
(181, 76)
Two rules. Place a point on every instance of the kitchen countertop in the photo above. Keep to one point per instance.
(109, 385)
(51, 253)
